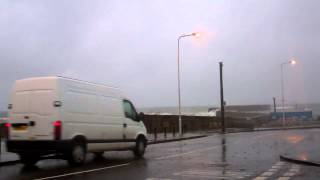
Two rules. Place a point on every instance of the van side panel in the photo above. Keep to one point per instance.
(91, 111)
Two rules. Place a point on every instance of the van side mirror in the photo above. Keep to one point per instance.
(141, 116)
(127, 114)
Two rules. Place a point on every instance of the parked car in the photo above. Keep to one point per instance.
(69, 117)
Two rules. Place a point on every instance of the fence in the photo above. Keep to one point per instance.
(170, 123)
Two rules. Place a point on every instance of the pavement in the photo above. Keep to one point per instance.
(301, 152)
(7, 157)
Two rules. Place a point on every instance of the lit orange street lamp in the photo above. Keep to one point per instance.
(292, 62)
(195, 34)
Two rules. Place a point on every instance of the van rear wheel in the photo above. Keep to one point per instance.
(140, 147)
(77, 155)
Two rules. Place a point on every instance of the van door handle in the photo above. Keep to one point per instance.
(125, 125)
(32, 123)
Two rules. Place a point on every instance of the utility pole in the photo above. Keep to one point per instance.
(274, 105)
(222, 99)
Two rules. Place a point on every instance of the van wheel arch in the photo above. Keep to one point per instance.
(79, 139)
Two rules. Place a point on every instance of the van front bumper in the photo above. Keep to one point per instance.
(38, 146)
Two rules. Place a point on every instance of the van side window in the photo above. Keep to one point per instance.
(129, 110)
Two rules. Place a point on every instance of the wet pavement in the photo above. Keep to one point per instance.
(300, 147)
(251, 155)
(6, 156)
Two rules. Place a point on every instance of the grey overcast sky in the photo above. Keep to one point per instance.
(133, 45)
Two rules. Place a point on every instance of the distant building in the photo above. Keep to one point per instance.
(292, 115)
(292, 112)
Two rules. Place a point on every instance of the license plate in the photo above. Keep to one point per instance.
(32, 138)
(20, 128)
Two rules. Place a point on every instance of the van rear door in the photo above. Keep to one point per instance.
(31, 115)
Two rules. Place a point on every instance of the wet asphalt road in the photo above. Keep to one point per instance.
(253, 155)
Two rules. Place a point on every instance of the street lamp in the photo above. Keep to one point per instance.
(292, 62)
(195, 34)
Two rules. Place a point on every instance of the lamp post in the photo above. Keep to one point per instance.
(196, 34)
(292, 62)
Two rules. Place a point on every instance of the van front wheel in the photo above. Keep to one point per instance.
(77, 154)
(140, 147)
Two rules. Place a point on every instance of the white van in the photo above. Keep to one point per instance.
(69, 117)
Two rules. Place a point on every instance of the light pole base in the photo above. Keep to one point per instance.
(180, 126)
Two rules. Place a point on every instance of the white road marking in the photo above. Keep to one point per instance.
(260, 178)
(276, 166)
(267, 174)
(158, 179)
(273, 170)
(291, 172)
(295, 168)
(283, 178)
(288, 174)
(82, 172)
(280, 163)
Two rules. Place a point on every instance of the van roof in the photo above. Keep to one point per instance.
(78, 80)
(67, 78)
(74, 80)
(23, 81)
